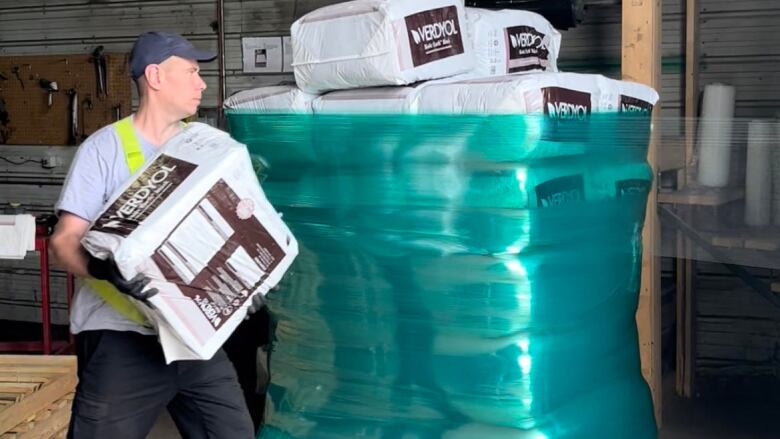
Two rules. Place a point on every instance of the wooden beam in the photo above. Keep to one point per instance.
(686, 303)
(691, 80)
(641, 62)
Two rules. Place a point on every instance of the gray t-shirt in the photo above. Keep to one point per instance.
(98, 169)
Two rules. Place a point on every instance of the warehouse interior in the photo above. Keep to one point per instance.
(708, 306)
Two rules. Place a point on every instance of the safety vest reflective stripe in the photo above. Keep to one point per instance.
(134, 157)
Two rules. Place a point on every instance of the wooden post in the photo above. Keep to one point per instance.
(641, 62)
(686, 309)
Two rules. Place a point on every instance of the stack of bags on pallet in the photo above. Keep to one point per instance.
(464, 273)
(407, 56)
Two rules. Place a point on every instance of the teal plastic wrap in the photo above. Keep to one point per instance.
(458, 276)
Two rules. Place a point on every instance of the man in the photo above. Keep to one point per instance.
(124, 382)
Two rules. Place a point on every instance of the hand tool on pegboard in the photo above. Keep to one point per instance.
(5, 131)
(86, 105)
(73, 138)
(50, 87)
(15, 72)
(100, 71)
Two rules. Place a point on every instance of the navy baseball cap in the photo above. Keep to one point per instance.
(156, 47)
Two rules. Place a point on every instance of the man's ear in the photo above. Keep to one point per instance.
(154, 76)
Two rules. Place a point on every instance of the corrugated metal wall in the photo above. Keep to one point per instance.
(739, 45)
(78, 26)
(739, 39)
(594, 46)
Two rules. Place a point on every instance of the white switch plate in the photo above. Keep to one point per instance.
(262, 54)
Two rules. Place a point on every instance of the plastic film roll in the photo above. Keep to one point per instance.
(715, 127)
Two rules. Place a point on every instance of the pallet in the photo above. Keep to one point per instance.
(36, 393)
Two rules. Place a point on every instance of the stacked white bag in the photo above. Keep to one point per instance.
(558, 95)
(367, 43)
(409, 56)
(512, 41)
(368, 100)
(275, 98)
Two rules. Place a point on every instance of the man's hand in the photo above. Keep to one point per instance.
(107, 270)
(257, 303)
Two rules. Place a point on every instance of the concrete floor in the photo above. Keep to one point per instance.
(683, 419)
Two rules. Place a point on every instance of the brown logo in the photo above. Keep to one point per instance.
(564, 103)
(434, 34)
(527, 49)
(634, 105)
(560, 191)
(144, 195)
(633, 186)
(243, 252)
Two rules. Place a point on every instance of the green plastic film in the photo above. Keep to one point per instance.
(458, 276)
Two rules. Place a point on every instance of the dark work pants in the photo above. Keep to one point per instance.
(124, 384)
(241, 348)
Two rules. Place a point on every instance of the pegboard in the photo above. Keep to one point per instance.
(30, 120)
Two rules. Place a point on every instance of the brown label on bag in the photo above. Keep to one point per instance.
(563, 103)
(633, 186)
(560, 191)
(634, 105)
(144, 195)
(219, 254)
(434, 34)
(527, 49)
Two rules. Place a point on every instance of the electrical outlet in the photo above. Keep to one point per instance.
(50, 161)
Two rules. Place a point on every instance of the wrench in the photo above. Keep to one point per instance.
(15, 71)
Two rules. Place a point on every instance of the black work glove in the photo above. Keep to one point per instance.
(106, 269)
(257, 303)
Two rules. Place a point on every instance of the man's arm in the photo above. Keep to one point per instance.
(67, 253)
(65, 244)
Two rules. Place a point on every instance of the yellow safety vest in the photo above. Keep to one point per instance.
(134, 157)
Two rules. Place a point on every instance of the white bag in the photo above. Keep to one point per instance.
(195, 220)
(275, 98)
(367, 100)
(559, 95)
(367, 43)
(512, 41)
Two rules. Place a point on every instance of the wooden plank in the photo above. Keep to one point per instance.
(702, 196)
(36, 370)
(54, 390)
(641, 62)
(39, 360)
(686, 298)
(691, 80)
(55, 422)
(763, 239)
(16, 387)
(24, 377)
(671, 154)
